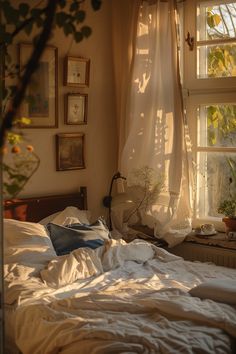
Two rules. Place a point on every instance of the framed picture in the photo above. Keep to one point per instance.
(70, 151)
(40, 103)
(76, 71)
(76, 105)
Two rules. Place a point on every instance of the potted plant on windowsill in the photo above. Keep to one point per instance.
(227, 205)
(228, 208)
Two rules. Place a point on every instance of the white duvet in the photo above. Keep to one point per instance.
(119, 298)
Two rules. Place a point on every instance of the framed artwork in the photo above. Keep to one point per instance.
(70, 151)
(40, 103)
(76, 105)
(76, 71)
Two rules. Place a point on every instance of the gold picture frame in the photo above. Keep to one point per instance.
(76, 71)
(41, 99)
(70, 151)
(76, 106)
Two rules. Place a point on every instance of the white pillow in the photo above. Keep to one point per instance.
(68, 216)
(48, 218)
(220, 290)
(26, 243)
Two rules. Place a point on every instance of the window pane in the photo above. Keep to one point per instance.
(215, 181)
(216, 21)
(217, 125)
(216, 61)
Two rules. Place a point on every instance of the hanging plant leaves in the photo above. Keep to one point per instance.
(213, 20)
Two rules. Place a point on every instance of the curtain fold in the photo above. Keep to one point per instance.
(124, 30)
(155, 132)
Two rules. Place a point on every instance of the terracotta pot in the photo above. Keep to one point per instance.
(230, 224)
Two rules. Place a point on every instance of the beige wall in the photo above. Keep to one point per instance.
(100, 131)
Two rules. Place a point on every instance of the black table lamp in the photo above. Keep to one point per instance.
(108, 199)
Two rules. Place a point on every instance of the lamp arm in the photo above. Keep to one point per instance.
(107, 199)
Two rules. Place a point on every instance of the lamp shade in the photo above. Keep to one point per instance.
(121, 201)
(120, 204)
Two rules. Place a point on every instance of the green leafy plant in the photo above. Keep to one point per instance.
(228, 208)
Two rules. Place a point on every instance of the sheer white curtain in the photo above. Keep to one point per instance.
(124, 29)
(155, 121)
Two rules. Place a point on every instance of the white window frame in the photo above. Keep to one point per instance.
(201, 91)
(190, 56)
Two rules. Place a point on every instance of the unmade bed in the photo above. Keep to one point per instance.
(103, 295)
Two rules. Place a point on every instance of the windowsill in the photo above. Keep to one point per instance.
(218, 240)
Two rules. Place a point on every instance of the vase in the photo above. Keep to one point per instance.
(230, 224)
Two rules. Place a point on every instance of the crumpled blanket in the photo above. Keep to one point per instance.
(120, 298)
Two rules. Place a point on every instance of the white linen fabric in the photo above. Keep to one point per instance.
(79, 264)
(27, 243)
(155, 127)
(221, 290)
(70, 215)
(137, 302)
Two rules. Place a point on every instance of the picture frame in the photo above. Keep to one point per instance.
(41, 99)
(76, 107)
(70, 151)
(76, 71)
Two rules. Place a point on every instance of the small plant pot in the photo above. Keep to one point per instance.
(230, 224)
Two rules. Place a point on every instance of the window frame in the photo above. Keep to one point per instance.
(202, 91)
(190, 79)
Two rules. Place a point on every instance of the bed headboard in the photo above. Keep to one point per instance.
(37, 208)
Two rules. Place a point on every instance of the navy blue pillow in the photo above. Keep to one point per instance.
(98, 228)
(65, 239)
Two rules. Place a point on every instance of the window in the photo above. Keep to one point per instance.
(210, 83)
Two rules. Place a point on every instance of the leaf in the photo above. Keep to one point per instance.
(210, 111)
(12, 188)
(11, 14)
(23, 9)
(35, 13)
(74, 6)
(13, 138)
(80, 16)
(96, 4)
(68, 28)
(61, 18)
(25, 120)
(86, 31)
(216, 19)
(78, 36)
(210, 20)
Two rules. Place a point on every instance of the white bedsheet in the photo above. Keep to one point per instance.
(134, 301)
